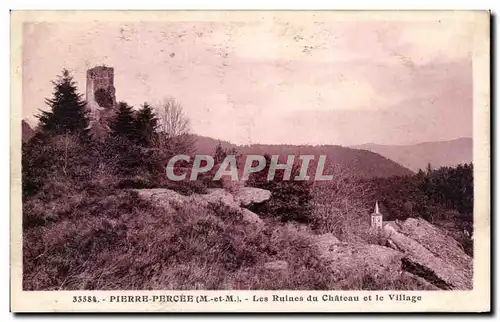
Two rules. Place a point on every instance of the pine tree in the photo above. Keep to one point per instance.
(123, 124)
(68, 113)
(219, 153)
(145, 126)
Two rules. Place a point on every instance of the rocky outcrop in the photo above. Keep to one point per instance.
(279, 265)
(430, 253)
(375, 260)
(248, 196)
(325, 241)
(170, 199)
(415, 251)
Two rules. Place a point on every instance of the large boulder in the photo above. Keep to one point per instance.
(171, 200)
(279, 265)
(247, 196)
(251, 217)
(325, 241)
(217, 195)
(375, 260)
(430, 253)
(164, 198)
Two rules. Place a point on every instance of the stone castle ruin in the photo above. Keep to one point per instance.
(100, 88)
(100, 97)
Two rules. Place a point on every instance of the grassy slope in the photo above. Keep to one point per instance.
(113, 240)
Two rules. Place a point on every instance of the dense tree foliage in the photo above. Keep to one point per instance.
(145, 124)
(220, 153)
(429, 194)
(68, 113)
(452, 188)
(123, 123)
(290, 200)
(128, 155)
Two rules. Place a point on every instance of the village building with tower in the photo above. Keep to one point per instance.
(376, 218)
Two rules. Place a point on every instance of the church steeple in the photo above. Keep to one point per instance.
(376, 211)
(376, 217)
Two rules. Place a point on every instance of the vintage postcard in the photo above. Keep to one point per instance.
(250, 161)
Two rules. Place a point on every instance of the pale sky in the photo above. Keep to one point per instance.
(272, 80)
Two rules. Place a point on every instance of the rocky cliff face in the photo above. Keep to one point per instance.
(431, 253)
(414, 249)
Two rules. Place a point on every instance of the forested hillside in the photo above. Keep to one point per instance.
(364, 164)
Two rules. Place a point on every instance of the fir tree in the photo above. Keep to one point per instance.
(145, 126)
(123, 124)
(68, 113)
(221, 153)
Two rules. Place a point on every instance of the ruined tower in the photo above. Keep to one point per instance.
(376, 218)
(101, 99)
(100, 88)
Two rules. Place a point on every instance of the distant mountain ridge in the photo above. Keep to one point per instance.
(417, 156)
(362, 163)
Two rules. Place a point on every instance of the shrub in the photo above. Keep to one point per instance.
(372, 236)
(290, 200)
(339, 208)
(59, 157)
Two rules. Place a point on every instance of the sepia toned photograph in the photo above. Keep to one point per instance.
(250, 151)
